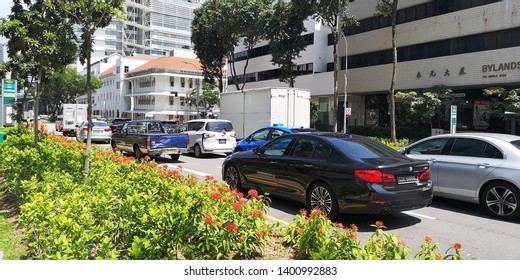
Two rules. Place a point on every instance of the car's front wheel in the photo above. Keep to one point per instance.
(232, 176)
(114, 145)
(175, 156)
(320, 196)
(501, 199)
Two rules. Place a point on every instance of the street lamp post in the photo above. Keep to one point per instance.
(198, 89)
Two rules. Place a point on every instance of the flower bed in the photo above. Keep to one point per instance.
(130, 209)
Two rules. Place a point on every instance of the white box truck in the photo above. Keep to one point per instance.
(252, 109)
(73, 115)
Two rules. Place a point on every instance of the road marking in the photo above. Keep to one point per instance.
(418, 215)
(191, 171)
(276, 219)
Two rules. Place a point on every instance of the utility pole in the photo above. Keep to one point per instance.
(198, 88)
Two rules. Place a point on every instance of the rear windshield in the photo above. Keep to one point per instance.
(219, 126)
(100, 124)
(516, 143)
(359, 149)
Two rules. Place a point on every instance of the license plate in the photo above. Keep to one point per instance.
(171, 150)
(407, 179)
(222, 141)
(98, 131)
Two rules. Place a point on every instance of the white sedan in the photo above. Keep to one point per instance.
(101, 131)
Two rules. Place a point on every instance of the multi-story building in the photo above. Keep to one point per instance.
(464, 45)
(150, 27)
(1, 53)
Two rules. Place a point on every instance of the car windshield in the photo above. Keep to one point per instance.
(359, 149)
(219, 126)
(100, 124)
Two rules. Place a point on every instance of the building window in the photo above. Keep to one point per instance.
(183, 82)
(172, 81)
(127, 69)
(117, 85)
(182, 100)
(190, 83)
(118, 70)
(171, 99)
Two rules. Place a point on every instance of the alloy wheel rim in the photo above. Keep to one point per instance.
(321, 199)
(232, 177)
(501, 201)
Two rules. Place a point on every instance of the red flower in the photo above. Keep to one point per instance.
(457, 246)
(354, 227)
(260, 234)
(379, 224)
(179, 166)
(216, 195)
(340, 225)
(303, 212)
(147, 157)
(428, 239)
(401, 242)
(208, 218)
(252, 193)
(300, 231)
(257, 212)
(320, 231)
(236, 205)
(232, 227)
(165, 166)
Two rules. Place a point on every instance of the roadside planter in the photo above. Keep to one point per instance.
(3, 136)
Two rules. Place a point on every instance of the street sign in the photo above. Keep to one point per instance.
(348, 111)
(453, 126)
(9, 87)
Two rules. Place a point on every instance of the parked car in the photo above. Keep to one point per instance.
(480, 168)
(335, 172)
(265, 134)
(117, 123)
(148, 137)
(101, 131)
(210, 136)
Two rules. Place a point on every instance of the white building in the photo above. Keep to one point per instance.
(465, 45)
(150, 27)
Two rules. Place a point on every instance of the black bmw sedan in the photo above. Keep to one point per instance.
(335, 172)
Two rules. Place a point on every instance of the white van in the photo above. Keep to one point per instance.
(210, 136)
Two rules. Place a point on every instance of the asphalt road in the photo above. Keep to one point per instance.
(445, 221)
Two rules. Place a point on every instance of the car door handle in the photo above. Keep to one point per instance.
(483, 165)
(431, 159)
(308, 165)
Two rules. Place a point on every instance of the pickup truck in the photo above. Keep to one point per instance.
(149, 137)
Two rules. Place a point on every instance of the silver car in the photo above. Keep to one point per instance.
(475, 167)
(101, 131)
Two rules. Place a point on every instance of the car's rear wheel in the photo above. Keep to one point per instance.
(197, 151)
(320, 196)
(137, 152)
(175, 156)
(232, 176)
(501, 199)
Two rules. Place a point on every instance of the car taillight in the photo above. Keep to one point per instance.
(188, 140)
(85, 129)
(375, 176)
(148, 142)
(108, 129)
(426, 175)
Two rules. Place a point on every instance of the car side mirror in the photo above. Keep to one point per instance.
(256, 151)
(402, 151)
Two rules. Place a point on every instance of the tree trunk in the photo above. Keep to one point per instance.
(88, 36)
(37, 103)
(336, 70)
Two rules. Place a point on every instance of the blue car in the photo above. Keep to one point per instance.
(265, 134)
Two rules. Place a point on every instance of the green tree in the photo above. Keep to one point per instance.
(285, 31)
(40, 39)
(210, 97)
(388, 8)
(64, 87)
(90, 15)
(212, 38)
(335, 15)
(503, 100)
